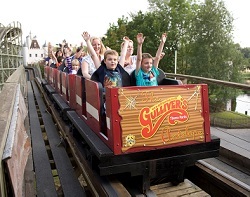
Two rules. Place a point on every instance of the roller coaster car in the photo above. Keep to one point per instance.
(147, 132)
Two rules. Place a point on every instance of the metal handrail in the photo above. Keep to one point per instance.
(209, 80)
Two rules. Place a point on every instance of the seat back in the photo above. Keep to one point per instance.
(95, 106)
(132, 79)
(125, 79)
(53, 65)
(58, 82)
(161, 76)
(46, 73)
(65, 87)
(79, 72)
(162, 80)
(66, 69)
(80, 96)
(168, 81)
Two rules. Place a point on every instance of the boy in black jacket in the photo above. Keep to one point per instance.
(111, 73)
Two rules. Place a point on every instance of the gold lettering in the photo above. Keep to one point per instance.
(148, 96)
(169, 135)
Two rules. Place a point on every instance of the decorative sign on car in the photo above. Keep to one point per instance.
(151, 119)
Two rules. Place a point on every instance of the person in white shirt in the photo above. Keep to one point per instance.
(94, 45)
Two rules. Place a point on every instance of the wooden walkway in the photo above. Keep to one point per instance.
(235, 144)
(54, 173)
(185, 189)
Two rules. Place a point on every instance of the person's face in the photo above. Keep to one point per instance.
(83, 53)
(50, 54)
(59, 53)
(130, 49)
(78, 54)
(67, 51)
(96, 45)
(147, 64)
(111, 62)
(75, 67)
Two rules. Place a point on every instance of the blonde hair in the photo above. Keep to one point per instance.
(122, 44)
(110, 52)
(75, 62)
(103, 49)
(146, 55)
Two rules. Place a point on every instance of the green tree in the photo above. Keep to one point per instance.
(200, 32)
(171, 16)
(246, 54)
(210, 37)
(213, 53)
(115, 33)
(149, 24)
(175, 17)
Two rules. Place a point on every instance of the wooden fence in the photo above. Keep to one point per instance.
(14, 142)
(239, 123)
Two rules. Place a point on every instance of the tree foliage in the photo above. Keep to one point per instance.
(210, 40)
(213, 53)
(115, 33)
(201, 33)
(145, 23)
(246, 53)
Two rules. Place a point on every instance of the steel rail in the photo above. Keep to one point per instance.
(209, 80)
(225, 175)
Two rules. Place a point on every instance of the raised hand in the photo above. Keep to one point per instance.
(86, 36)
(164, 37)
(124, 50)
(140, 38)
(126, 38)
(107, 48)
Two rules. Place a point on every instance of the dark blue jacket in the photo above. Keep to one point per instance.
(100, 73)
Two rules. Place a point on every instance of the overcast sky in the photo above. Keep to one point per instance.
(54, 21)
(240, 9)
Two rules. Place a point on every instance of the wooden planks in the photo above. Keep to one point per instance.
(18, 145)
(183, 189)
(44, 179)
(6, 108)
(61, 105)
(68, 179)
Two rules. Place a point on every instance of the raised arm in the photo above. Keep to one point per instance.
(85, 70)
(159, 51)
(92, 52)
(62, 47)
(54, 57)
(124, 51)
(140, 40)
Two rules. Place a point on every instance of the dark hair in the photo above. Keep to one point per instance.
(66, 45)
(57, 52)
(78, 49)
(59, 59)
